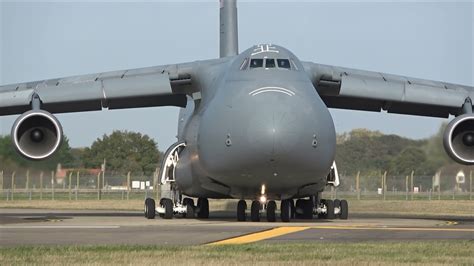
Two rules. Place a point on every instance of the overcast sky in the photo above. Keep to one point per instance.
(49, 40)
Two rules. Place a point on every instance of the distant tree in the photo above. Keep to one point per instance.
(369, 152)
(411, 159)
(10, 159)
(434, 147)
(124, 151)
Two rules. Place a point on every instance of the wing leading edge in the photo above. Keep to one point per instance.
(373, 91)
(142, 87)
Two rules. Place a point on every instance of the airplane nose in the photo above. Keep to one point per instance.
(266, 134)
(277, 129)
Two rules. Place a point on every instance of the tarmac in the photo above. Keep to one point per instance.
(75, 227)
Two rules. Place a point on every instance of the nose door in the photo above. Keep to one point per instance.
(266, 131)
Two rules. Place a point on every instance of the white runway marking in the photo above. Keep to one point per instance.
(59, 226)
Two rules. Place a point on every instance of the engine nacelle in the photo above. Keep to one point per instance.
(458, 139)
(37, 134)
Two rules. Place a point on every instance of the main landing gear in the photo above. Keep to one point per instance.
(166, 208)
(304, 209)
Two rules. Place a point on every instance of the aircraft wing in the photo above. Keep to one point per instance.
(143, 87)
(373, 91)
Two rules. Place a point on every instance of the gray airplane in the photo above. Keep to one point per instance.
(252, 125)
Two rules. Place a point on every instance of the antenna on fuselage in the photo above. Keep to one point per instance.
(229, 39)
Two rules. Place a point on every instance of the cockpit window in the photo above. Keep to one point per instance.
(269, 63)
(283, 63)
(254, 63)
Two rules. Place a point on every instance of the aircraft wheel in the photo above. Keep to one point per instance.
(189, 211)
(150, 208)
(241, 207)
(322, 215)
(271, 208)
(330, 207)
(189, 203)
(167, 204)
(337, 204)
(292, 208)
(203, 206)
(344, 210)
(285, 210)
(255, 211)
(299, 209)
(308, 209)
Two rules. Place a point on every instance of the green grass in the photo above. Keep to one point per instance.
(411, 252)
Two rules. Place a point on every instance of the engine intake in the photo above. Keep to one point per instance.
(37, 134)
(458, 139)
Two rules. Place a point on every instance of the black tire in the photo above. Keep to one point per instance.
(285, 210)
(322, 215)
(145, 207)
(330, 209)
(299, 209)
(255, 211)
(292, 208)
(241, 207)
(308, 209)
(150, 208)
(189, 211)
(344, 210)
(188, 201)
(167, 204)
(271, 209)
(203, 206)
(337, 204)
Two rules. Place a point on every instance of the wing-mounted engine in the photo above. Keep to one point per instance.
(333, 176)
(36, 134)
(458, 139)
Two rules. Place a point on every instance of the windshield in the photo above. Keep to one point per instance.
(267, 63)
(254, 63)
(283, 63)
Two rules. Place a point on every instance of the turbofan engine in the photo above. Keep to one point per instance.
(459, 139)
(37, 134)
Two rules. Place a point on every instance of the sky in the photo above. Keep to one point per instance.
(42, 40)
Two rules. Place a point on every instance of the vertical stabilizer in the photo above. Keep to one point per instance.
(228, 40)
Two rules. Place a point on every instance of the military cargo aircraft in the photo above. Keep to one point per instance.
(253, 125)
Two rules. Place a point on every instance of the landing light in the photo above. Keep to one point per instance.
(263, 199)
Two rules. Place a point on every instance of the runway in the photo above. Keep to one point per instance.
(48, 227)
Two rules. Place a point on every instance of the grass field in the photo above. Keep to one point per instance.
(366, 253)
(401, 207)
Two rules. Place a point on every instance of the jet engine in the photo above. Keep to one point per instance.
(37, 134)
(459, 139)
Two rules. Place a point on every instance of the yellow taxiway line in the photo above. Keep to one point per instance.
(279, 231)
(394, 228)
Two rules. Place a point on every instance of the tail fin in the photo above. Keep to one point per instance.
(229, 39)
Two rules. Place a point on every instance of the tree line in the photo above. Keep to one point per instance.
(123, 151)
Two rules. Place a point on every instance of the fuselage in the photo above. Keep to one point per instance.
(259, 122)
